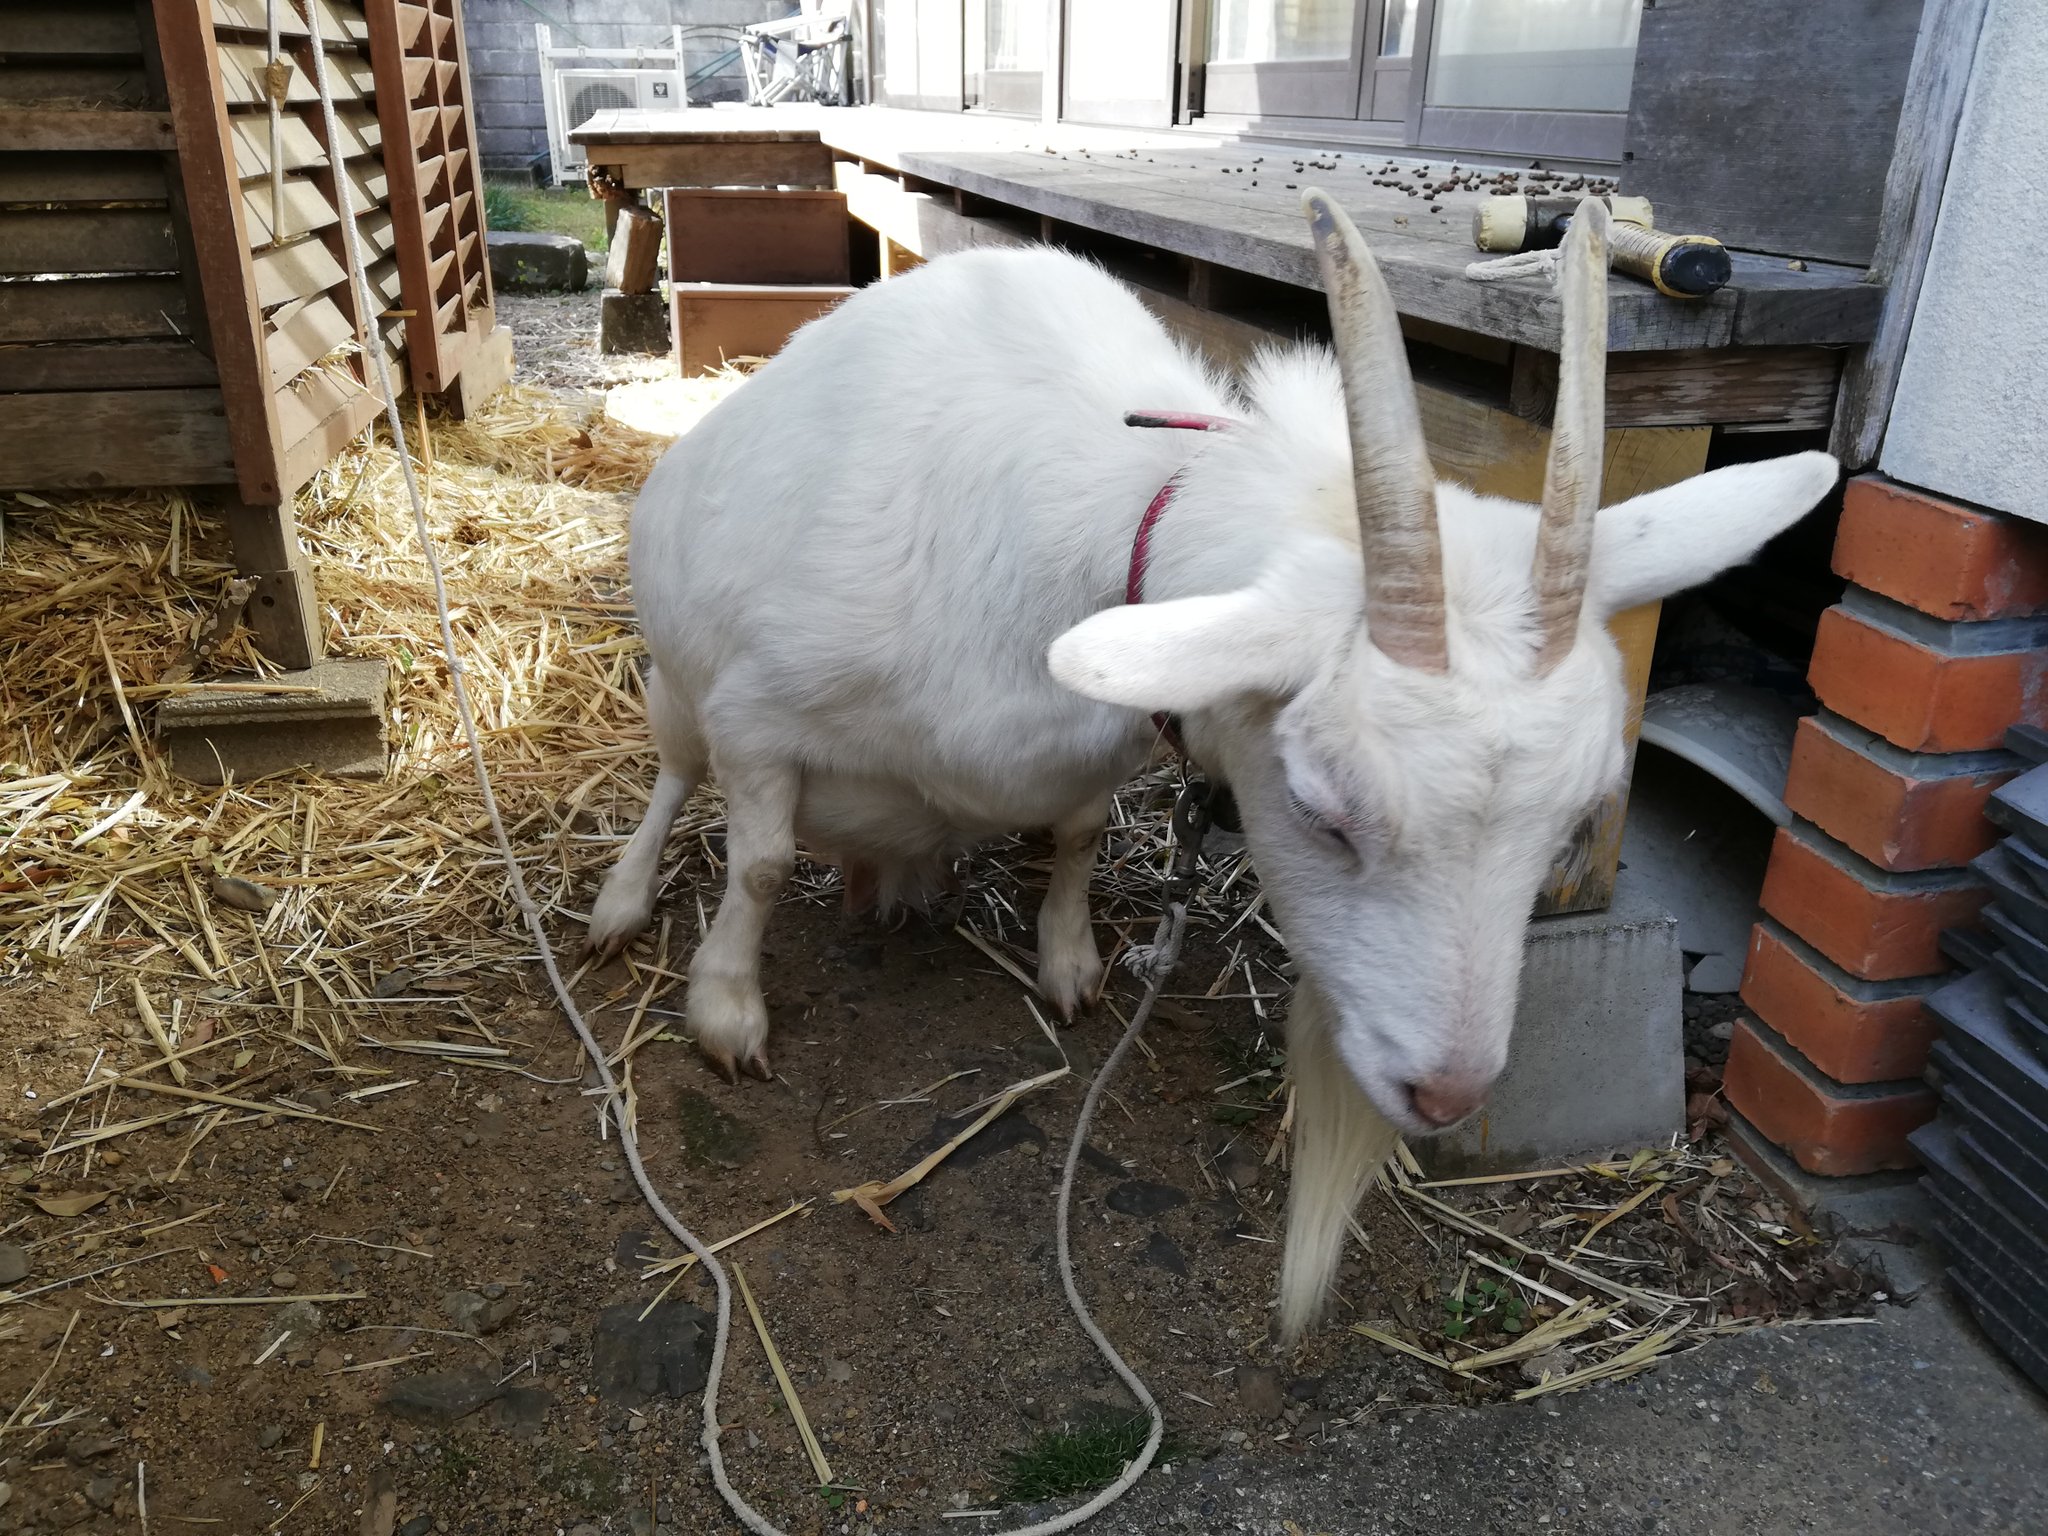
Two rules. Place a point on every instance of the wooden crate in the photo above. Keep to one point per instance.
(715, 322)
(758, 235)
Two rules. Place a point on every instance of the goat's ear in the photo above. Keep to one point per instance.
(1192, 653)
(1665, 541)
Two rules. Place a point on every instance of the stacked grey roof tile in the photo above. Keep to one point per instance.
(1987, 1154)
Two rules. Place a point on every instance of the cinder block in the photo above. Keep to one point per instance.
(1943, 558)
(1901, 810)
(1827, 1127)
(1876, 925)
(339, 729)
(1597, 1063)
(1854, 1030)
(632, 322)
(1927, 685)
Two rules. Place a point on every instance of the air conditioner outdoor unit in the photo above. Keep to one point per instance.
(575, 86)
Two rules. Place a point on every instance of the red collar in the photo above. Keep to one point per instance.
(1141, 542)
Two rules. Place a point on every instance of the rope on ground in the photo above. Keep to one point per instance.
(1164, 951)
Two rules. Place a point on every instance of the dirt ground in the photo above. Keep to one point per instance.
(390, 1275)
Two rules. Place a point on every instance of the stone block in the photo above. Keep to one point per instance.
(336, 729)
(525, 262)
(1597, 1064)
(632, 322)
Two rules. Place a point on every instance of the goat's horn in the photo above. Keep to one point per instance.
(1390, 469)
(1578, 439)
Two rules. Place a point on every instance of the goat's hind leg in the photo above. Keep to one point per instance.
(626, 902)
(1069, 965)
(726, 1011)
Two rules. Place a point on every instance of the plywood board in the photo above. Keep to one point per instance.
(1770, 126)
(120, 437)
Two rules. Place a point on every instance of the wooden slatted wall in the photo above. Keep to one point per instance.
(106, 377)
(192, 318)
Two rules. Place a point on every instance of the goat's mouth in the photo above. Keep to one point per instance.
(1426, 1105)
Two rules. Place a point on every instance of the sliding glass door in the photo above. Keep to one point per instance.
(1310, 58)
(1006, 55)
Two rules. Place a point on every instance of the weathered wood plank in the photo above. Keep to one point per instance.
(77, 28)
(94, 86)
(106, 365)
(1770, 126)
(69, 176)
(84, 128)
(306, 208)
(338, 24)
(1755, 388)
(1935, 88)
(93, 309)
(736, 164)
(1230, 207)
(299, 269)
(72, 240)
(298, 146)
(311, 332)
(125, 437)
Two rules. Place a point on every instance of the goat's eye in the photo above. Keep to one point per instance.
(1319, 826)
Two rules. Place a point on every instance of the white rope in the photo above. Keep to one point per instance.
(1521, 264)
(1165, 950)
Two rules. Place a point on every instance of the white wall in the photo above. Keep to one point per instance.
(1970, 419)
(504, 68)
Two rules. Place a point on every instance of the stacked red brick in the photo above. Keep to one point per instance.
(1934, 652)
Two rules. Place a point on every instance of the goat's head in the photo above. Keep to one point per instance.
(1412, 751)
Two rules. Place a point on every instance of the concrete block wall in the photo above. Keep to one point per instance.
(504, 61)
(1939, 645)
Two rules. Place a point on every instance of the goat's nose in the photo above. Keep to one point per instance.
(1445, 1100)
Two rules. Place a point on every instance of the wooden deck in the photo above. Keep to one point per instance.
(1234, 207)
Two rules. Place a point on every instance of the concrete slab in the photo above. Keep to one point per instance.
(334, 725)
(632, 322)
(1597, 1064)
(1908, 1426)
(1883, 1222)
(523, 261)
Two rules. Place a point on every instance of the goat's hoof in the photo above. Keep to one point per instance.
(757, 1067)
(1072, 986)
(723, 1064)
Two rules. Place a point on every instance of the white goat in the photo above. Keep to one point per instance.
(882, 588)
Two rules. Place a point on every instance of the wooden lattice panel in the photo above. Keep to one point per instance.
(436, 188)
(285, 181)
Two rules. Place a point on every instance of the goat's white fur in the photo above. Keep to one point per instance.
(881, 589)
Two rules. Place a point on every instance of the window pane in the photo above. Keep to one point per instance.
(1568, 55)
(1016, 34)
(1397, 29)
(1260, 31)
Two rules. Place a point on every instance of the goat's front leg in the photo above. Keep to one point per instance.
(726, 1011)
(1069, 965)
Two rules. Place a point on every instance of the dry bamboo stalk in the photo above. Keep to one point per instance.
(1613, 1216)
(157, 1032)
(204, 1097)
(873, 1195)
(796, 1408)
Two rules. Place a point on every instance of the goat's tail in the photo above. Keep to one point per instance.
(1340, 1144)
